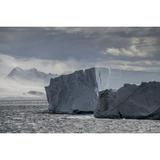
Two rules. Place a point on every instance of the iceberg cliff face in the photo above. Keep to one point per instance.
(73, 93)
(131, 101)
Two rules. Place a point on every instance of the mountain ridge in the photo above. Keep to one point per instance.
(32, 74)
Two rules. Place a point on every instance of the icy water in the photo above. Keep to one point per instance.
(31, 116)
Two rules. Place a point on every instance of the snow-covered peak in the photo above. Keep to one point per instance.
(30, 75)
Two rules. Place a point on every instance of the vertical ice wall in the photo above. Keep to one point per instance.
(73, 93)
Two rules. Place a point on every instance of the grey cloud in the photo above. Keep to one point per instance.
(83, 44)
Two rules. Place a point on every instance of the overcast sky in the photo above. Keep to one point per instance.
(59, 50)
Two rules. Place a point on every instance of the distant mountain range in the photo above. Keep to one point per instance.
(30, 75)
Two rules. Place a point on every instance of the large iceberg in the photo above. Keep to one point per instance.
(73, 93)
(130, 101)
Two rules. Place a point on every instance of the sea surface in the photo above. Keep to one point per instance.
(31, 116)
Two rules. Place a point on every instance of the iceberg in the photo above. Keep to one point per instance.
(73, 93)
(130, 101)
